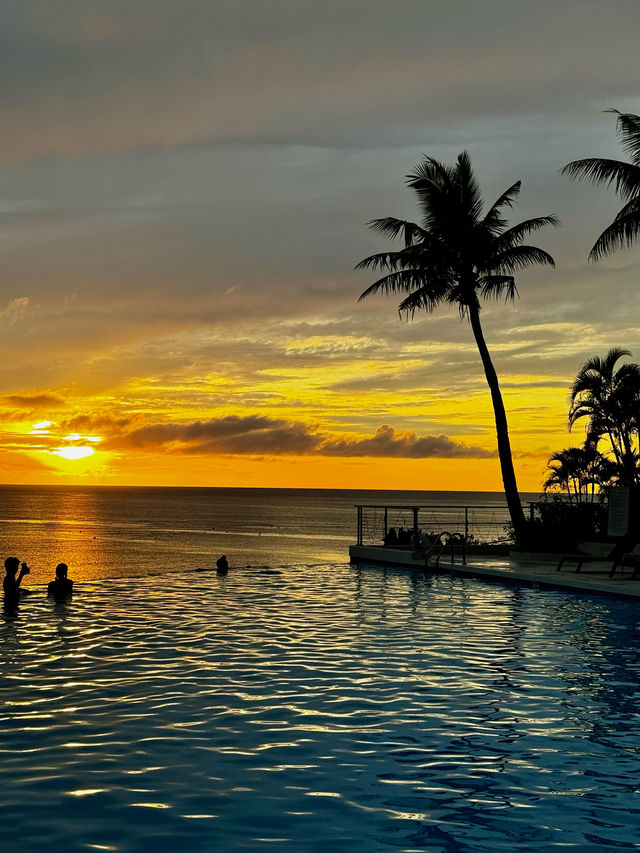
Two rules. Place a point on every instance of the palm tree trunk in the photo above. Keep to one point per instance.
(502, 430)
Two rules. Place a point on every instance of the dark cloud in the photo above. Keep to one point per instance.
(262, 435)
(98, 423)
(35, 400)
(232, 434)
(388, 442)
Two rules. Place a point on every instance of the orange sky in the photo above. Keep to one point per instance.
(184, 194)
(315, 433)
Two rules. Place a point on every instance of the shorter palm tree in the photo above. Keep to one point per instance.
(581, 472)
(610, 399)
(625, 228)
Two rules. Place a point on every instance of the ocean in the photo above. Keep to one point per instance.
(108, 532)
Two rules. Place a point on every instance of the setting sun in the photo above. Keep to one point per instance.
(74, 453)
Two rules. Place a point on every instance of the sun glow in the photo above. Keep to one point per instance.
(74, 453)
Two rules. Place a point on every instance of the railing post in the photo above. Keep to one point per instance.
(466, 522)
(415, 526)
(359, 532)
(386, 523)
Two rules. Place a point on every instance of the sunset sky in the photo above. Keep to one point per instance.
(184, 192)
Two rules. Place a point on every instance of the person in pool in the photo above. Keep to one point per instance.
(223, 565)
(11, 583)
(62, 586)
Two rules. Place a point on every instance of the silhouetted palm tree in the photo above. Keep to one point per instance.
(610, 399)
(579, 471)
(457, 255)
(625, 228)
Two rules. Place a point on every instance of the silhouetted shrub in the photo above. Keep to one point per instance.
(559, 525)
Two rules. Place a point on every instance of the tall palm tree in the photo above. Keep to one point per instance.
(625, 228)
(457, 255)
(610, 399)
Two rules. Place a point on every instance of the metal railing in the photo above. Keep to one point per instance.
(443, 541)
(476, 523)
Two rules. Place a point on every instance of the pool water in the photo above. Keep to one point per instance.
(319, 707)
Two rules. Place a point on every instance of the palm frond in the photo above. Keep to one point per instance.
(598, 170)
(425, 298)
(383, 261)
(623, 232)
(435, 185)
(430, 171)
(515, 235)
(495, 286)
(470, 196)
(397, 282)
(391, 227)
(520, 257)
(628, 128)
(493, 220)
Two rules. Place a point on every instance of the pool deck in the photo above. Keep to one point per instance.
(530, 569)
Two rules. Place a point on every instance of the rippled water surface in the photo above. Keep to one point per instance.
(319, 707)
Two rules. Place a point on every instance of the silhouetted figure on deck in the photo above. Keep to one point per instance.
(391, 539)
(223, 565)
(11, 583)
(404, 538)
(62, 586)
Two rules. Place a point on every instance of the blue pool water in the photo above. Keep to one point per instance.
(319, 707)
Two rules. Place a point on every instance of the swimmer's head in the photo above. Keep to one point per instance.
(61, 570)
(11, 565)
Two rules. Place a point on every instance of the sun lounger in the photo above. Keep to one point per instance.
(615, 554)
(631, 559)
(578, 559)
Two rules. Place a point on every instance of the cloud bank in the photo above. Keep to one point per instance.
(258, 435)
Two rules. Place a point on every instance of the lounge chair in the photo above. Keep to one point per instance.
(615, 554)
(631, 559)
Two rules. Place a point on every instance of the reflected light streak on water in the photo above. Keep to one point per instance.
(358, 709)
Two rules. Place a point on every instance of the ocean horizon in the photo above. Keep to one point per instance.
(113, 531)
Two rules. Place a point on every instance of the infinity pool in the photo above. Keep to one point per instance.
(319, 707)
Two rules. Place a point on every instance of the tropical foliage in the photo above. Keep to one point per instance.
(625, 176)
(580, 472)
(458, 254)
(607, 395)
(609, 398)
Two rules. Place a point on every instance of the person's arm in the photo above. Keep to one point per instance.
(24, 570)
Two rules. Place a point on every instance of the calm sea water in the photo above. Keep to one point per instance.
(113, 532)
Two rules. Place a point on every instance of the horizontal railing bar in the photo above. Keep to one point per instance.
(432, 506)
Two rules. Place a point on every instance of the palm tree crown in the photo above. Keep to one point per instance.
(610, 399)
(579, 471)
(459, 254)
(456, 254)
(625, 228)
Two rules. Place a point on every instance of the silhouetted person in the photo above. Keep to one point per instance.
(404, 538)
(391, 539)
(11, 583)
(62, 586)
(223, 565)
